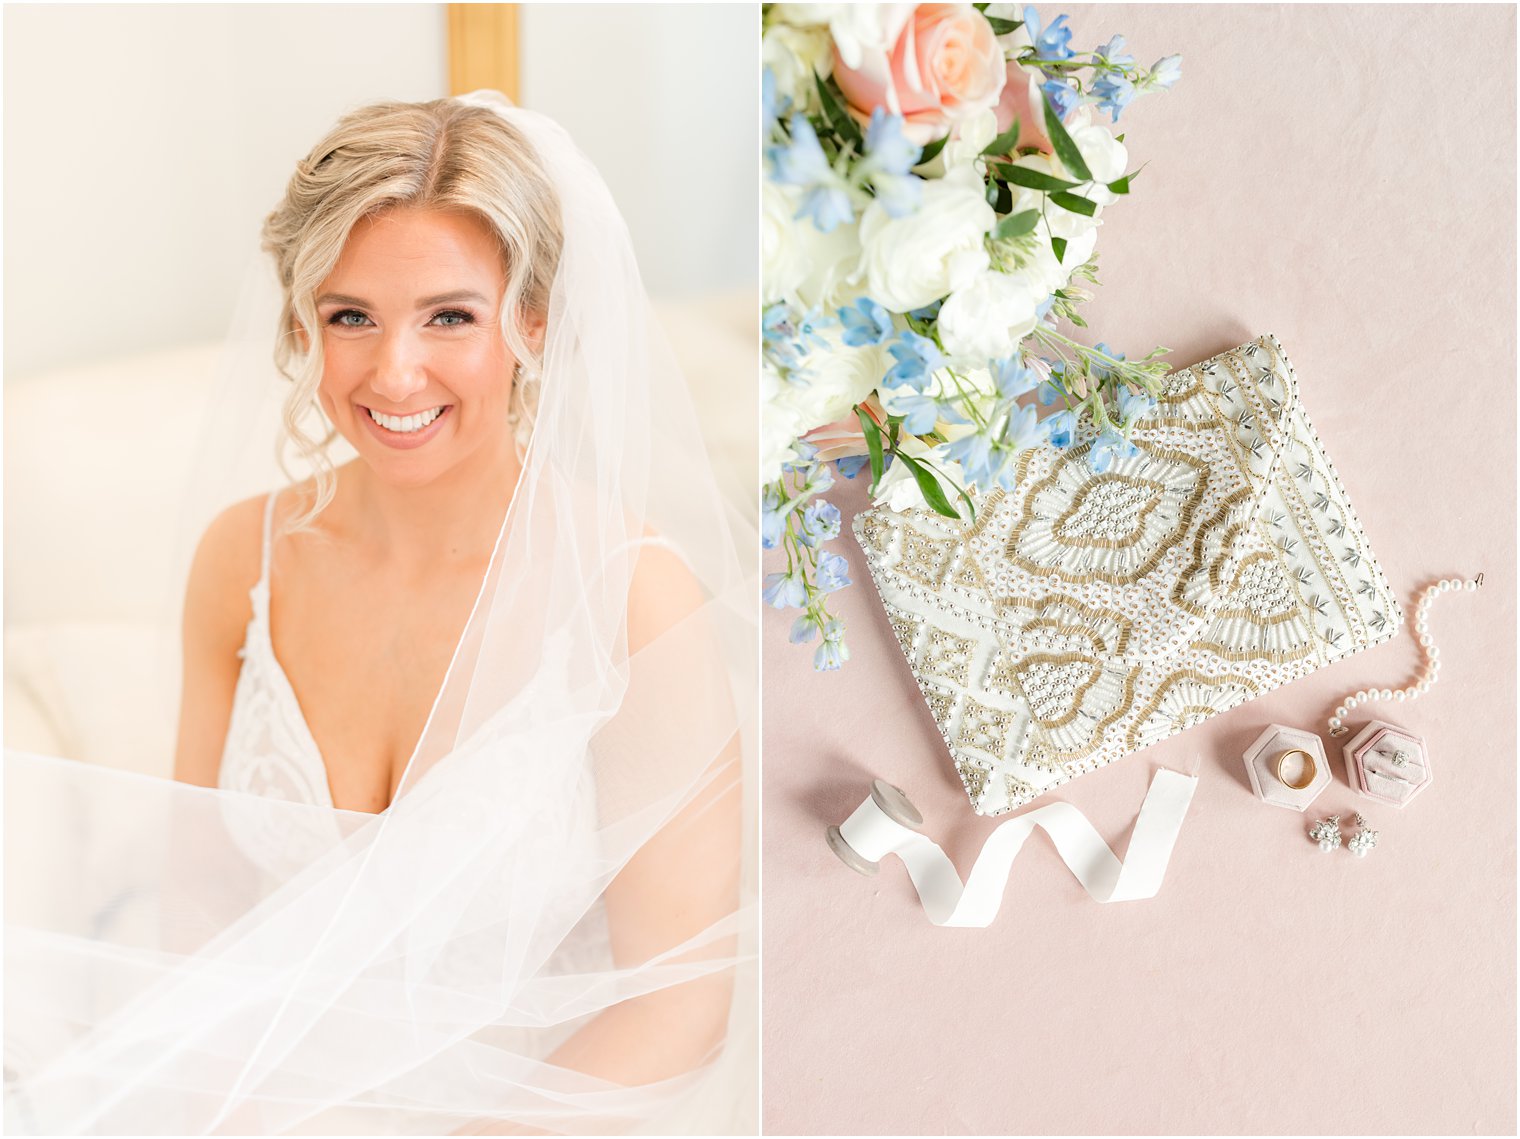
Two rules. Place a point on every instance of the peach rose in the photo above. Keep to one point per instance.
(945, 64)
(1023, 100)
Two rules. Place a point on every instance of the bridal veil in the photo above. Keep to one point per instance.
(550, 929)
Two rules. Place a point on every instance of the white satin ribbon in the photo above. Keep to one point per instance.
(948, 902)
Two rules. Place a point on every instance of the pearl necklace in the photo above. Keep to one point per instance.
(1430, 667)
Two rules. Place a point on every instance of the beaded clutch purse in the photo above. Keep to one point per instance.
(1084, 616)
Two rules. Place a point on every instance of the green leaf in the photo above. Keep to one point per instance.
(929, 487)
(839, 118)
(1119, 138)
(931, 152)
(1059, 245)
(1016, 225)
(873, 444)
(1120, 185)
(1030, 179)
(1002, 27)
(1066, 150)
(1004, 143)
(1075, 203)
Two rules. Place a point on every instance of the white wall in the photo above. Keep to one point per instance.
(145, 143)
(665, 99)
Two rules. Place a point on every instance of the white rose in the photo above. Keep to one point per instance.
(911, 261)
(856, 28)
(801, 264)
(794, 54)
(1105, 155)
(838, 377)
(985, 319)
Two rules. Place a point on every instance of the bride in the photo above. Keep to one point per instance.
(458, 841)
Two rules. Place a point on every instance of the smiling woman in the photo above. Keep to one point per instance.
(439, 857)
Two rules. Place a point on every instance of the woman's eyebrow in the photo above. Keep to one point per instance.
(425, 302)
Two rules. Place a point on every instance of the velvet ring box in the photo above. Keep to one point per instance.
(1387, 763)
(1261, 766)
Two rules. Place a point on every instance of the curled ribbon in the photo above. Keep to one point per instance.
(871, 833)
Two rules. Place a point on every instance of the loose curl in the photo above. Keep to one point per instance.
(442, 154)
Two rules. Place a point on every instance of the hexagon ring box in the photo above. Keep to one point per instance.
(1085, 614)
(1387, 763)
(1287, 767)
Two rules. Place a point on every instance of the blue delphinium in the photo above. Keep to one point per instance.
(1114, 93)
(772, 517)
(1100, 369)
(920, 412)
(1051, 42)
(1113, 51)
(1134, 406)
(1106, 448)
(1062, 95)
(802, 163)
(1165, 72)
(787, 336)
(772, 105)
(917, 358)
(820, 523)
(784, 591)
(1012, 377)
(1061, 429)
(832, 652)
(889, 163)
(852, 465)
(974, 452)
(803, 629)
(833, 572)
(865, 323)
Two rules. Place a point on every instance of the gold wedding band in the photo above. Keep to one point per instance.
(1308, 774)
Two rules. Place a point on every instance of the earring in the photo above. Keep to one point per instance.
(1327, 832)
(1365, 838)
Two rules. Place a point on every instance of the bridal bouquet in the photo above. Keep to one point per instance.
(936, 176)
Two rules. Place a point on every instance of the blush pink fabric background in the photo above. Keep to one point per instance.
(1342, 177)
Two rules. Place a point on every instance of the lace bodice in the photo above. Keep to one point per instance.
(269, 749)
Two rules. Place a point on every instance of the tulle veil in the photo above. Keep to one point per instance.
(551, 928)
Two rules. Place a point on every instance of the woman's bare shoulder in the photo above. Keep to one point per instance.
(663, 592)
(226, 567)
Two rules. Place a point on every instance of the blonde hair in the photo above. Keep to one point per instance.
(444, 155)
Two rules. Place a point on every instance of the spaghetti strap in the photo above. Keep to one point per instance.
(268, 528)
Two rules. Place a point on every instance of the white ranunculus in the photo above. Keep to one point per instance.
(899, 490)
(986, 318)
(794, 54)
(838, 377)
(969, 138)
(800, 263)
(911, 261)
